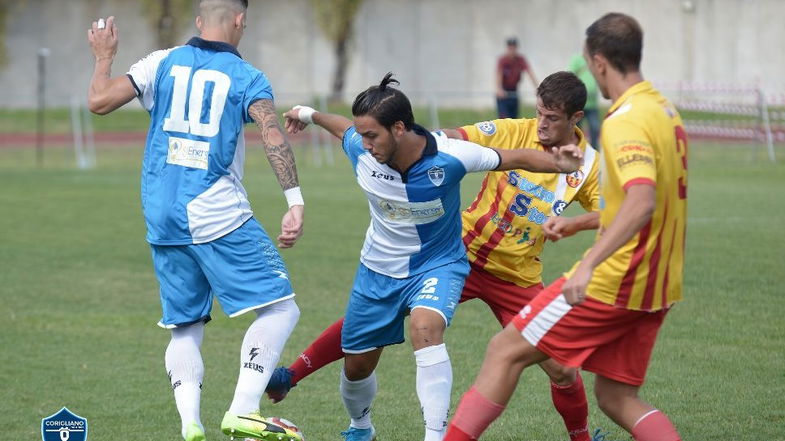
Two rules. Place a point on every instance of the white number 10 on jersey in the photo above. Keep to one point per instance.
(176, 121)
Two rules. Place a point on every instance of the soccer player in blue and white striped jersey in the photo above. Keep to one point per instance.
(413, 261)
(205, 241)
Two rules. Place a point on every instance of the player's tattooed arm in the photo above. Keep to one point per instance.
(277, 148)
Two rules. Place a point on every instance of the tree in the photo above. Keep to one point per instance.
(168, 17)
(335, 18)
(5, 10)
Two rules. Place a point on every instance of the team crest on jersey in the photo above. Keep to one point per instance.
(487, 127)
(574, 179)
(436, 175)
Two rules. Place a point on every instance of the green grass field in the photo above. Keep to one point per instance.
(80, 303)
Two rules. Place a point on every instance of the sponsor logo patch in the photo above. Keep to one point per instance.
(559, 206)
(254, 366)
(634, 158)
(188, 152)
(415, 213)
(532, 188)
(487, 127)
(635, 148)
(380, 175)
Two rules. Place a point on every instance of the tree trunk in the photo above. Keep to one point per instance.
(341, 61)
(166, 26)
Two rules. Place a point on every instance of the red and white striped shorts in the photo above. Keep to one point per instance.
(613, 342)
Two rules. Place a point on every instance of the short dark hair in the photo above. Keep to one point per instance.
(512, 41)
(239, 5)
(562, 91)
(619, 38)
(386, 104)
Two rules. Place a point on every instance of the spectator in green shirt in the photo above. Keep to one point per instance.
(591, 112)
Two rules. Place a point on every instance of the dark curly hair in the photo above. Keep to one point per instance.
(562, 91)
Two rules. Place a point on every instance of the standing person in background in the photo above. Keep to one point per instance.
(508, 74)
(591, 112)
(604, 313)
(204, 238)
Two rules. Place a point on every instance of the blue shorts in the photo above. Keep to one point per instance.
(378, 304)
(242, 269)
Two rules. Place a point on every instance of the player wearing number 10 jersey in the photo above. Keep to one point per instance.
(205, 241)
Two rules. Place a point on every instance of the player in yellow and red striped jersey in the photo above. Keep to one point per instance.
(503, 227)
(645, 273)
(605, 312)
(504, 231)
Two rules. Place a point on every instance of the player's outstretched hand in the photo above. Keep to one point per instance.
(568, 157)
(103, 37)
(557, 227)
(297, 118)
(291, 226)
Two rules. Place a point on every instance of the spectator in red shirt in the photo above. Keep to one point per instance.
(508, 74)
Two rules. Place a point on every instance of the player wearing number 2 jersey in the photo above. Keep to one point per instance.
(205, 241)
(504, 231)
(604, 314)
(413, 261)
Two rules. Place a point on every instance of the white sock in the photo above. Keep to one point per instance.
(186, 371)
(357, 398)
(260, 351)
(434, 383)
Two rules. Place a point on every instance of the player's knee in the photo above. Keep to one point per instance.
(505, 350)
(357, 371)
(357, 367)
(606, 402)
(562, 375)
(426, 328)
(612, 401)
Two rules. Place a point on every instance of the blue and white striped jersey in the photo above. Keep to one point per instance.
(198, 97)
(416, 217)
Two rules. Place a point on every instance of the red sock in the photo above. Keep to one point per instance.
(570, 402)
(474, 414)
(321, 352)
(655, 426)
(456, 434)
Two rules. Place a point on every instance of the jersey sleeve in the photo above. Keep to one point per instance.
(258, 89)
(500, 133)
(352, 144)
(473, 157)
(631, 154)
(142, 75)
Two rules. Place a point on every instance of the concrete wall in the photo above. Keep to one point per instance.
(441, 48)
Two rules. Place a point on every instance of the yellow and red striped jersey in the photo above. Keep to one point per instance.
(502, 228)
(643, 142)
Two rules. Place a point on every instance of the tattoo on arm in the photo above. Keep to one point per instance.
(278, 150)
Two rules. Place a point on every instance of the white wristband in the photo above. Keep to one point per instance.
(305, 114)
(294, 196)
